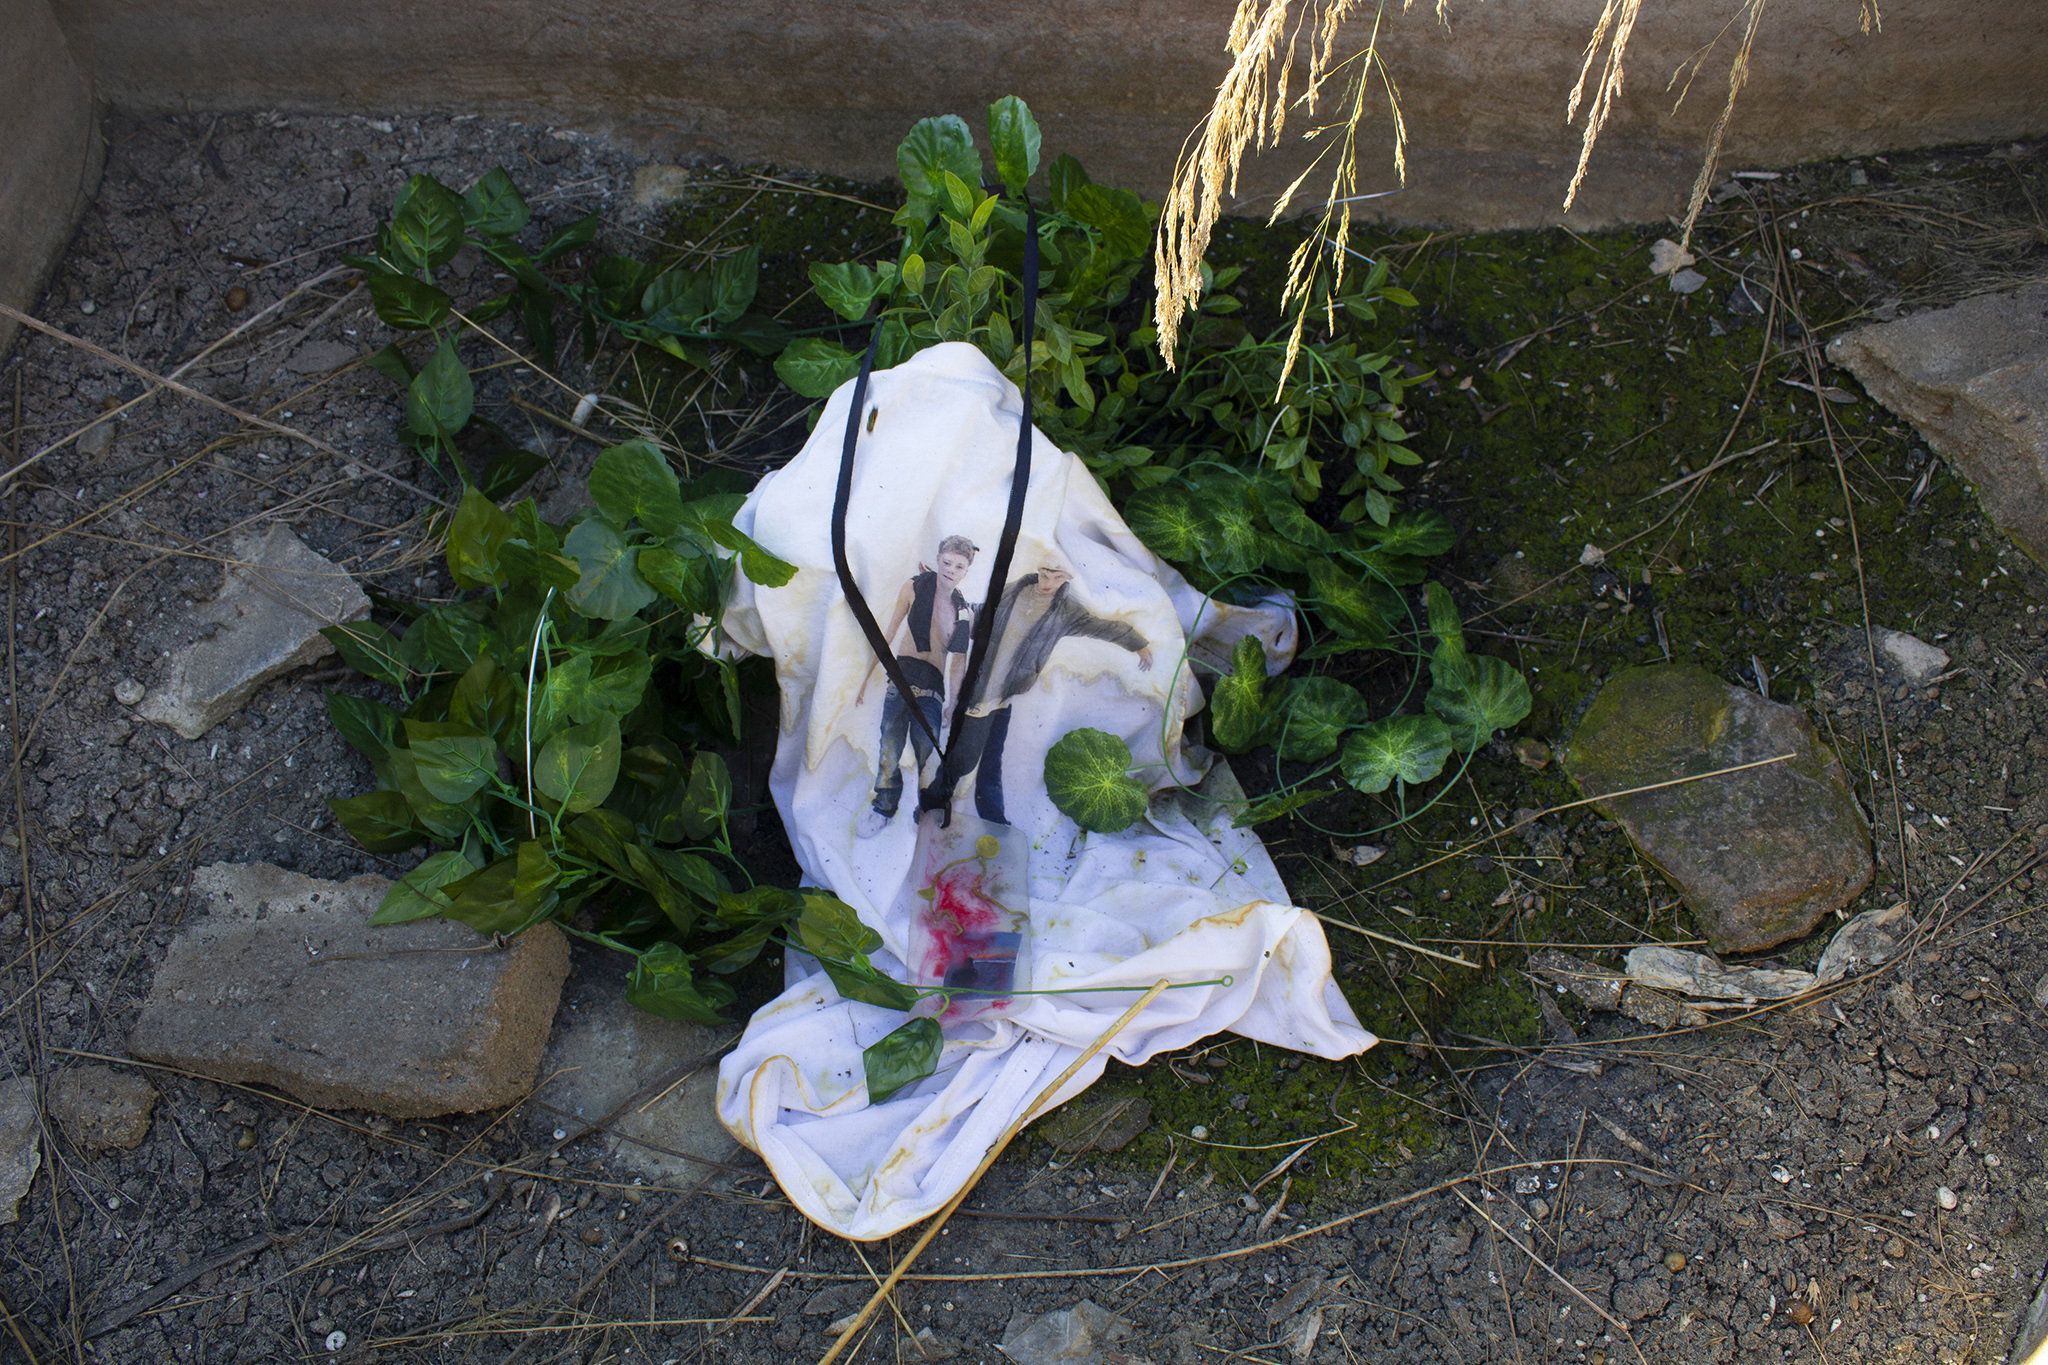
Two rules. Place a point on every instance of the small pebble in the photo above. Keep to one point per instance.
(1895, 1248)
(245, 1139)
(1539, 1208)
(2041, 992)
(1945, 1197)
(1596, 1358)
(1800, 1311)
(128, 691)
(237, 299)
(1781, 1175)
(1199, 1131)
(1674, 1261)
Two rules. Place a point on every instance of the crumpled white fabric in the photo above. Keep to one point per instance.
(1179, 895)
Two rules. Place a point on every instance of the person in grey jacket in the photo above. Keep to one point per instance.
(1035, 614)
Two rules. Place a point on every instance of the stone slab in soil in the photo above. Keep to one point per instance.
(268, 615)
(1973, 380)
(101, 1108)
(21, 1136)
(1761, 855)
(287, 984)
(608, 1056)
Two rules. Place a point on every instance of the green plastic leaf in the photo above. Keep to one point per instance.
(1013, 134)
(1117, 214)
(1166, 520)
(448, 821)
(370, 727)
(1275, 806)
(1287, 519)
(1492, 696)
(426, 222)
(603, 835)
(1238, 701)
(1316, 715)
(1230, 543)
(453, 762)
(508, 471)
(1422, 531)
(380, 821)
(652, 778)
(488, 701)
(1087, 775)
(451, 636)
(493, 205)
(488, 900)
(833, 933)
(475, 538)
(1410, 749)
(441, 396)
(690, 581)
(578, 233)
(1361, 611)
(934, 147)
(1448, 665)
(608, 585)
(534, 879)
(392, 364)
(1063, 178)
(418, 894)
(677, 301)
(814, 367)
(408, 304)
(585, 686)
(578, 766)
(663, 984)
(734, 280)
(632, 482)
(369, 649)
(909, 1053)
(758, 912)
(846, 289)
(707, 797)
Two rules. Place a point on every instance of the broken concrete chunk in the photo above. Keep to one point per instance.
(1080, 1333)
(1973, 380)
(269, 612)
(1917, 661)
(1647, 1006)
(1760, 855)
(101, 1108)
(21, 1137)
(1674, 969)
(656, 1078)
(287, 984)
(1596, 985)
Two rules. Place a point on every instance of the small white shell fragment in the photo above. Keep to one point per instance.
(1592, 555)
(128, 691)
(1945, 1197)
(1781, 1175)
(1199, 1131)
(336, 1340)
(584, 407)
(1667, 256)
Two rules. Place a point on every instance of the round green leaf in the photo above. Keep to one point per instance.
(1014, 136)
(453, 762)
(1238, 700)
(1087, 774)
(380, 821)
(408, 304)
(493, 205)
(663, 984)
(814, 367)
(418, 894)
(934, 147)
(1166, 520)
(632, 482)
(578, 766)
(426, 222)
(1317, 713)
(1408, 748)
(1492, 696)
(609, 586)
(909, 1053)
(475, 537)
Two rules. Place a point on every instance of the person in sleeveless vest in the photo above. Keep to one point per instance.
(1036, 613)
(931, 631)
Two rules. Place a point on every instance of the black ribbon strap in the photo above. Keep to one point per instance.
(1013, 519)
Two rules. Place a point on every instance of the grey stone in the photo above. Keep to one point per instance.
(1760, 855)
(1687, 282)
(1596, 985)
(50, 127)
(97, 440)
(1078, 1334)
(102, 1108)
(318, 357)
(1917, 661)
(268, 614)
(607, 1055)
(1973, 380)
(21, 1136)
(286, 983)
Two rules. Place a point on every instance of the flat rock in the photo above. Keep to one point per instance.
(101, 1108)
(317, 357)
(1760, 855)
(21, 1136)
(287, 984)
(266, 618)
(1918, 662)
(656, 1079)
(1973, 380)
(1596, 985)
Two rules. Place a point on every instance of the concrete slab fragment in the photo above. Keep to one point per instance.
(267, 616)
(21, 1137)
(287, 984)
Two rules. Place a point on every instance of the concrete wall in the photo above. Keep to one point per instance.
(50, 151)
(832, 84)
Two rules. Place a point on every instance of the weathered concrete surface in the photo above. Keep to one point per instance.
(50, 151)
(606, 1056)
(102, 1108)
(1973, 380)
(1118, 83)
(1760, 855)
(21, 1143)
(287, 984)
(269, 612)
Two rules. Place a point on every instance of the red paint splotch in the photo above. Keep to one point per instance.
(961, 922)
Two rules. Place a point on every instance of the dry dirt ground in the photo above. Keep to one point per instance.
(1672, 1207)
